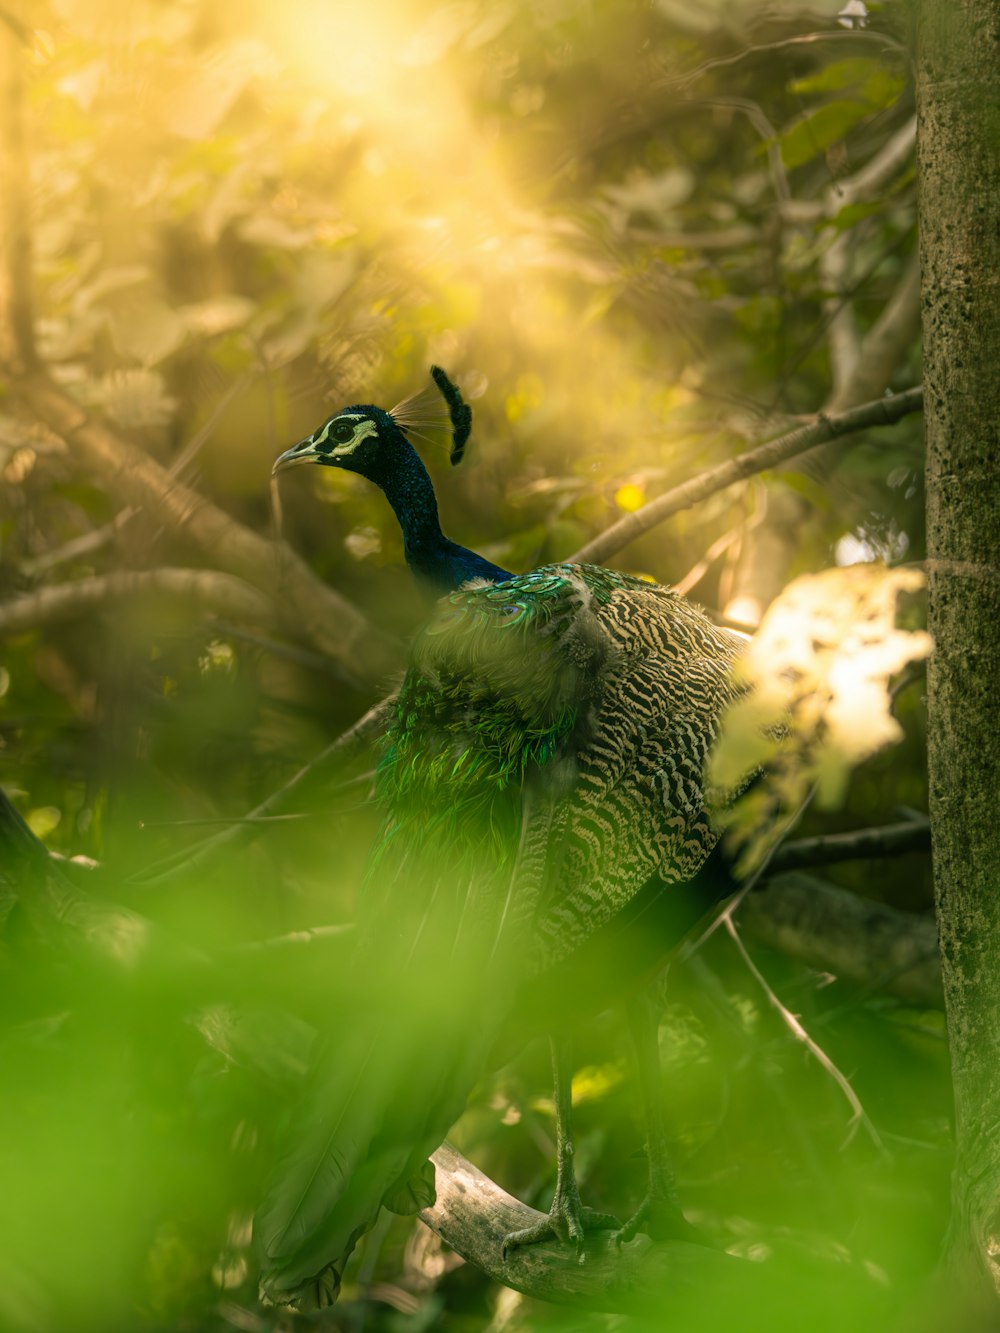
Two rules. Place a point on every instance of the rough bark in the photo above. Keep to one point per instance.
(959, 160)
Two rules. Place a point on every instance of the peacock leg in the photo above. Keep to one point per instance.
(659, 1215)
(568, 1219)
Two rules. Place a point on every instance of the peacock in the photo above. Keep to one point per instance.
(542, 782)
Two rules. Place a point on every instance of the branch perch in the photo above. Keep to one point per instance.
(472, 1214)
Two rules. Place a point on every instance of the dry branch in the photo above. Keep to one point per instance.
(864, 942)
(218, 592)
(881, 412)
(913, 835)
(308, 606)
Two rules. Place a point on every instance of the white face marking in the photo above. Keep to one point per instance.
(329, 434)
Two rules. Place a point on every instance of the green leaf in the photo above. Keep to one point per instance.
(818, 129)
(851, 214)
(835, 78)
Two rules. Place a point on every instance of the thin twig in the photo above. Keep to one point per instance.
(92, 541)
(691, 76)
(873, 176)
(858, 1113)
(85, 544)
(347, 744)
(219, 819)
(719, 547)
(849, 353)
(289, 652)
(293, 939)
(769, 139)
(914, 672)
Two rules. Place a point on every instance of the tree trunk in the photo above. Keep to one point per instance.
(959, 158)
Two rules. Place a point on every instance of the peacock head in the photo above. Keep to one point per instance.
(362, 439)
(373, 442)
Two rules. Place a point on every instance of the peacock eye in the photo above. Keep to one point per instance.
(514, 611)
(342, 431)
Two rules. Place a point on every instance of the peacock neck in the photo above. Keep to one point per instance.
(409, 490)
(439, 564)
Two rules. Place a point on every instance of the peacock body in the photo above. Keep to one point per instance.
(542, 772)
(603, 690)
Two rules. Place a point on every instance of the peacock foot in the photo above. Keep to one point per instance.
(659, 1216)
(568, 1221)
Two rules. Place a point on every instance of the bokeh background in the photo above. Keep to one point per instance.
(643, 237)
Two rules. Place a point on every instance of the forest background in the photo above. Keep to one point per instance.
(645, 239)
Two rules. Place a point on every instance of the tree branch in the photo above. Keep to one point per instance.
(308, 607)
(865, 942)
(472, 1214)
(89, 542)
(64, 601)
(871, 178)
(848, 353)
(882, 412)
(764, 565)
(913, 835)
(860, 368)
(881, 348)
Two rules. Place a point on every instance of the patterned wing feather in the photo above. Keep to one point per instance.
(638, 809)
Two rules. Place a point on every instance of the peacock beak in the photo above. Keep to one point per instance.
(303, 452)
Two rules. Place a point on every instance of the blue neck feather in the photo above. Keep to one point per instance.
(440, 564)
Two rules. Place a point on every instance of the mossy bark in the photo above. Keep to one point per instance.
(959, 161)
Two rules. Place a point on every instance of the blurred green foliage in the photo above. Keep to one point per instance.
(609, 222)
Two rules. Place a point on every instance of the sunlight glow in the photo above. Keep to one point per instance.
(818, 701)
